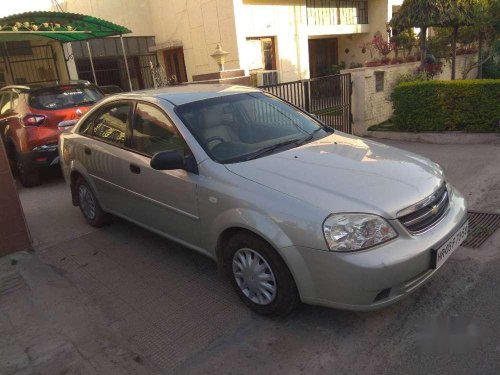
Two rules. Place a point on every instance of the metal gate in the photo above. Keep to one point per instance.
(24, 63)
(145, 62)
(328, 98)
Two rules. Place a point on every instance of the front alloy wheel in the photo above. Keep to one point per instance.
(259, 275)
(254, 276)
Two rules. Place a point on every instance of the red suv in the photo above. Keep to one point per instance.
(33, 116)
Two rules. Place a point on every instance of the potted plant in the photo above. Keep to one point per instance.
(397, 60)
(373, 62)
(411, 58)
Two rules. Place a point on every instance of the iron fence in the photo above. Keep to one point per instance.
(29, 64)
(328, 98)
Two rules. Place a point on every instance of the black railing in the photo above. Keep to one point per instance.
(29, 64)
(328, 98)
(336, 12)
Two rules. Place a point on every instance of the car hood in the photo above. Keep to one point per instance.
(343, 173)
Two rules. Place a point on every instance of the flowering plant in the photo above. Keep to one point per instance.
(383, 47)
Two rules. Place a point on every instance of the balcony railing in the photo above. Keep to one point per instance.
(336, 12)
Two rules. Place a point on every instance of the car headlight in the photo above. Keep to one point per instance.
(350, 232)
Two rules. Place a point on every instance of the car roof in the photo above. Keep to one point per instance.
(44, 85)
(187, 93)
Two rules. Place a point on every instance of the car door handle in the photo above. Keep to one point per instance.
(87, 150)
(135, 169)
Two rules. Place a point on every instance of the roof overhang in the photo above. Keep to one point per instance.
(61, 26)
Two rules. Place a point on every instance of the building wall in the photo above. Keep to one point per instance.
(370, 107)
(285, 20)
(198, 26)
(133, 14)
(379, 13)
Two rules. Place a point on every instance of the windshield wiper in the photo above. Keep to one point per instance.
(270, 149)
(308, 137)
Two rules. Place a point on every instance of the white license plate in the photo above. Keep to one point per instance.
(443, 253)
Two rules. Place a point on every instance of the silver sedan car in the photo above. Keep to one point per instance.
(291, 210)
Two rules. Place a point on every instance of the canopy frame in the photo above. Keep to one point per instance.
(65, 28)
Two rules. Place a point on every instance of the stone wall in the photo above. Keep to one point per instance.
(371, 102)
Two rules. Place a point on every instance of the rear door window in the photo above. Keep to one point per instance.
(64, 97)
(111, 125)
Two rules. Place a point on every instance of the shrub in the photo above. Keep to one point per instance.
(335, 69)
(411, 76)
(431, 69)
(464, 105)
(355, 65)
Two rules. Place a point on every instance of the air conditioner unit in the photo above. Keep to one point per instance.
(267, 77)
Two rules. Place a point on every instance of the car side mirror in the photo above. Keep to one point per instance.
(170, 160)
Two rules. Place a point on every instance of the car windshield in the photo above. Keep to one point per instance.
(241, 127)
(64, 97)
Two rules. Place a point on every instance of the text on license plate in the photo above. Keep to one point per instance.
(450, 246)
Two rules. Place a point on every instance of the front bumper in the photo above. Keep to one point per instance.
(375, 277)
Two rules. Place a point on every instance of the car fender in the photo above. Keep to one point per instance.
(263, 226)
(252, 221)
(78, 167)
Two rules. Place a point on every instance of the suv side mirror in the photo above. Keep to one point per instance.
(170, 160)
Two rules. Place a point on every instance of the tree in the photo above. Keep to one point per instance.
(438, 13)
(459, 13)
(422, 14)
(486, 26)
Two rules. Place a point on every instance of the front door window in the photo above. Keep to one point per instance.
(153, 132)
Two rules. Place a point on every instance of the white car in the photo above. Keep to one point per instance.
(290, 209)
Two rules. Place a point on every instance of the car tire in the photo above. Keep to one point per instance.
(28, 174)
(275, 292)
(89, 205)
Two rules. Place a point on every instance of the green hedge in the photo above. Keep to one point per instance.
(467, 105)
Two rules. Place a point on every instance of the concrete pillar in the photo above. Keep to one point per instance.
(14, 235)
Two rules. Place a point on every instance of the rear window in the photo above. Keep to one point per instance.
(64, 97)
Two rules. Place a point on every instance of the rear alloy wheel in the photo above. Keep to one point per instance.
(89, 205)
(259, 275)
(28, 174)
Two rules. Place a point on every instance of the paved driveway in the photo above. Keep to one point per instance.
(123, 300)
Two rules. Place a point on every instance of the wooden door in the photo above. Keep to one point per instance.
(175, 65)
(323, 53)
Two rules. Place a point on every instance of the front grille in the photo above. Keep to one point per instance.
(427, 212)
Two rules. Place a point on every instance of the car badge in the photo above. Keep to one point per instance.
(79, 112)
(435, 209)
